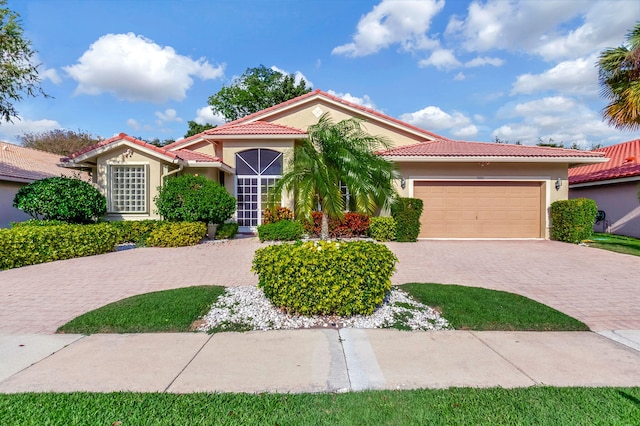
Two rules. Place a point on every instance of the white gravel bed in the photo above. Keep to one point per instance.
(249, 308)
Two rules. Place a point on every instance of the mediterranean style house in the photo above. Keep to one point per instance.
(615, 187)
(470, 189)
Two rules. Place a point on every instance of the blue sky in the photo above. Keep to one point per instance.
(519, 71)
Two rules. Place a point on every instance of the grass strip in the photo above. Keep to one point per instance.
(616, 243)
(162, 311)
(455, 406)
(471, 308)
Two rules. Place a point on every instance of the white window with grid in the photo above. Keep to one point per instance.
(128, 189)
(257, 171)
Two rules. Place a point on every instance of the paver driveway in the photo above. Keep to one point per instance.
(598, 287)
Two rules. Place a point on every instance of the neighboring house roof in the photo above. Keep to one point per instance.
(255, 128)
(445, 150)
(311, 96)
(20, 164)
(624, 163)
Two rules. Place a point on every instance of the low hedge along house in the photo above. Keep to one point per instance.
(470, 190)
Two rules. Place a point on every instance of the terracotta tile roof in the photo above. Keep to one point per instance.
(199, 157)
(624, 161)
(449, 148)
(254, 128)
(122, 136)
(26, 164)
(319, 92)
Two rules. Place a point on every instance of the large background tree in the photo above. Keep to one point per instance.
(18, 74)
(256, 89)
(335, 154)
(195, 128)
(59, 141)
(619, 74)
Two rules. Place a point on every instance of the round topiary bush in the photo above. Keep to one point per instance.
(191, 198)
(61, 198)
(325, 277)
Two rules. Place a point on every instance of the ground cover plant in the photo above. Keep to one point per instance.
(162, 311)
(471, 308)
(616, 243)
(455, 406)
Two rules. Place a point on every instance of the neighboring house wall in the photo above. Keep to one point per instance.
(620, 203)
(8, 213)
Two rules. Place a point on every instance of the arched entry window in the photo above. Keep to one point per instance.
(257, 171)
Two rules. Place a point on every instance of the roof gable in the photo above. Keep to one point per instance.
(624, 162)
(114, 142)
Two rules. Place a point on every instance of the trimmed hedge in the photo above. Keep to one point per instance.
(29, 245)
(572, 220)
(406, 212)
(61, 198)
(352, 225)
(382, 228)
(325, 277)
(284, 230)
(177, 234)
(227, 230)
(135, 231)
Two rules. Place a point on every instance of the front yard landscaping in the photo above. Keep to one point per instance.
(455, 406)
(458, 307)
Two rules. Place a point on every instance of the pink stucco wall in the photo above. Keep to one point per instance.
(620, 203)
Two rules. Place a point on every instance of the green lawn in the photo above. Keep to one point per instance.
(161, 311)
(617, 243)
(456, 406)
(470, 308)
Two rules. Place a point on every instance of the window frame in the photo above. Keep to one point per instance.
(111, 199)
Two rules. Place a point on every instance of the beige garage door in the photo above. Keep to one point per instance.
(479, 209)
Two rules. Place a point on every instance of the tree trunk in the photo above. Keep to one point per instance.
(324, 227)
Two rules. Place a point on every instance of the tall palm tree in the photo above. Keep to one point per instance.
(336, 153)
(619, 74)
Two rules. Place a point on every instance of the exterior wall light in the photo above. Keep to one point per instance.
(558, 184)
(403, 183)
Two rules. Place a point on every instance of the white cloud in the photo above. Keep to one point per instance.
(365, 101)
(393, 22)
(579, 76)
(133, 123)
(460, 76)
(435, 119)
(484, 60)
(9, 132)
(441, 59)
(205, 115)
(298, 76)
(545, 28)
(50, 74)
(169, 115)
(560, 118)
(134, 68)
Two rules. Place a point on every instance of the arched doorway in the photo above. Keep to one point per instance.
(257, 171)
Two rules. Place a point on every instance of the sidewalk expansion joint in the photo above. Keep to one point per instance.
(346, 364)
(188, 363)
(504, 358)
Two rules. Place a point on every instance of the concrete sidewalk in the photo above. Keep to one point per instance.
(316, 360)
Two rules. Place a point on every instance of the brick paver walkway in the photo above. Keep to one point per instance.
(598, 287)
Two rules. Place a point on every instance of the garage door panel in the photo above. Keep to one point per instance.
(480, 209)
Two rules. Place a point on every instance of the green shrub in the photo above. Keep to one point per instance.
(177, 234)
(382, 228)
(572, 220)
(276, 214)
(135, 231)
(193, 198)
(61, 198)
(38, 222)
(227, 230)
(406, 212)
(29, 245)
(284, 230)
(351, 225)
(325, 277)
